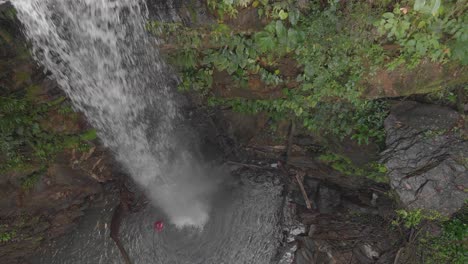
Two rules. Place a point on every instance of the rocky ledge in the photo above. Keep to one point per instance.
(427, 156)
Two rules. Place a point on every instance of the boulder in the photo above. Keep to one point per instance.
(426, 156)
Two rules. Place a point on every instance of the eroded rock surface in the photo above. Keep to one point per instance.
(426, 156)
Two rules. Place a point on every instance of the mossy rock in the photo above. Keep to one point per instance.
(428, 77)
(5, 37)
(22, 76)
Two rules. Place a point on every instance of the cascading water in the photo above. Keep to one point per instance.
(99, 53)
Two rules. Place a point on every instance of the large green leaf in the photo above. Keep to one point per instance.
(264, 41)
(428, 6)
(281, 32)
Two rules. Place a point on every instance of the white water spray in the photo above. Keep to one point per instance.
(99, 53)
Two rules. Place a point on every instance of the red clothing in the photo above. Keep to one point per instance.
(158, 226)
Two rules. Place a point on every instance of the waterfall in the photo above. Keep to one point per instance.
(99, 53)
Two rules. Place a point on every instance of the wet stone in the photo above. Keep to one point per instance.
(328, 199)
(425, 157)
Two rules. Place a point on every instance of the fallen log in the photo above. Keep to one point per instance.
(299, 179)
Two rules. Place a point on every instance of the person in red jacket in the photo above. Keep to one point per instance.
(158, 226)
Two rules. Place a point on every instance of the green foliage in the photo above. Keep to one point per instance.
(363, 122)
(8, 14)
(7, 233)
(432, 133)
(328, 99)
(450, 246)
(23, 140)
(225, 7)
(443, 97)
(414, 218)
(7, 236)
(429, 30)
(89, 135)
(19, 129)
(374, 171)
(283, 10)
(447, 247)
(368, 121)
(333, 47)
(428, 7)
(30, 181)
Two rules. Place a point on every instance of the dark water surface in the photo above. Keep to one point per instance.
(244, 227)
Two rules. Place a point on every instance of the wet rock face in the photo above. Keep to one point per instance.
(53, 205)
(426, 157)
(189, 12)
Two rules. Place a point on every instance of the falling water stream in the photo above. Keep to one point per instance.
(99, 53)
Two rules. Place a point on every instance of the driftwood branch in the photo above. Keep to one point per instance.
(397, 257)
(292, 129)
(299, 179)
(245, 165)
